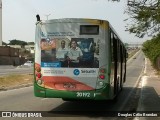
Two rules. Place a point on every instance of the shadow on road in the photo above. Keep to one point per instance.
(128, 101)
(93, 108)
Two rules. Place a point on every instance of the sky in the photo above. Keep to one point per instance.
(19, 16)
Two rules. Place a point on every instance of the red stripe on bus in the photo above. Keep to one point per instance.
(58, 83)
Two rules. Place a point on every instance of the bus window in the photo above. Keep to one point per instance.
(89, 29)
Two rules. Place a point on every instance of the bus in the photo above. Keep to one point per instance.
(78, 59)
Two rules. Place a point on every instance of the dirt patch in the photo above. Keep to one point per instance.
(14, 81)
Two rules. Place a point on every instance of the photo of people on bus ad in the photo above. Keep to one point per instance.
(70, 53)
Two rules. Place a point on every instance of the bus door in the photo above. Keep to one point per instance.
(115, 61)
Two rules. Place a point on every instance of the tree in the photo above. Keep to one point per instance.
(151, 48)
(3, 43)
(144, 17)
(17, 42)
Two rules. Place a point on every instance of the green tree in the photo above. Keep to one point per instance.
(151, 48)
(3, 43)
(144, 17)
(17, 42)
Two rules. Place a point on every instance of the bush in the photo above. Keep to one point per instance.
(151, 49)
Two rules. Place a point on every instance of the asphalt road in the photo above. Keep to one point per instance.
(23, 100)
(15, 70)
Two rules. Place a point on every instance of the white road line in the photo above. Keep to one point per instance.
(44, 98)
(136, 118)
(145, 67)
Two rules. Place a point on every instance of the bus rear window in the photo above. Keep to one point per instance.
(89, 29)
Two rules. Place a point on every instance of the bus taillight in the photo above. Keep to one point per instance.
(102, 70)
(101, 76)
(39, 75)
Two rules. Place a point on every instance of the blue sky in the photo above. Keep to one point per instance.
(19, 16)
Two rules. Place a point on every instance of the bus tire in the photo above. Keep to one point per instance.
(115, 99)
(121, 85)
(69, 100)
(65, 99)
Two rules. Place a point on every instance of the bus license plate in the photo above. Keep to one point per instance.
(83, 94)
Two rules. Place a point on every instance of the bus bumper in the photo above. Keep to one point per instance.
(100, 94)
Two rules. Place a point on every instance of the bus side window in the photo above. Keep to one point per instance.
(112, 47)
(115, 48)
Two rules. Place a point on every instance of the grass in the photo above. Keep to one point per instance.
(15, 80)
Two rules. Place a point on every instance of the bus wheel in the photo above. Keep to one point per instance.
(115, 99)
(66, 99)
(118, 85)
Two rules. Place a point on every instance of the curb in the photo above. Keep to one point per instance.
(7, 67)
(16, 87)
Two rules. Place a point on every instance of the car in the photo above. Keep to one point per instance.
(28, 63)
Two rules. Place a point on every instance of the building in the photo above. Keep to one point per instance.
(15, 54)
(15, 46)
(10, 56)
(30, 48)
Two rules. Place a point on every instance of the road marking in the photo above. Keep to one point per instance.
(136, 118)
(137, 84)
(145, 68)
(144, 80)
(133, 56)
(44, 98)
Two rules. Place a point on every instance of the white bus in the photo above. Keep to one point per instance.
(78, 58)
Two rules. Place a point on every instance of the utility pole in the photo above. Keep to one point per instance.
(47, 16)
(0, 22)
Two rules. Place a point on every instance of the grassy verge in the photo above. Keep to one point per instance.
(15, 80)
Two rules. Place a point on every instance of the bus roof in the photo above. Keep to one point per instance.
(81, 20)
(74, 20)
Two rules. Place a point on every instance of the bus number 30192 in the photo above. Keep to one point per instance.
(82, 94)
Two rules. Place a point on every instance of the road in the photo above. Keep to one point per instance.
(23, 99)
(15, 70)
